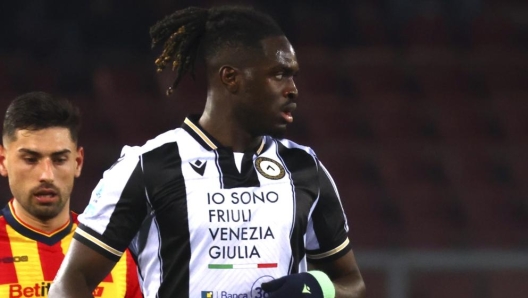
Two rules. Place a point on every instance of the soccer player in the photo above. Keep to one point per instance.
(222, 206)
(41, 159)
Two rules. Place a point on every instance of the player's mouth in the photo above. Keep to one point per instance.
(287, 112)
(46, 196)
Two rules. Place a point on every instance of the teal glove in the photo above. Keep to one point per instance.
(315, 284)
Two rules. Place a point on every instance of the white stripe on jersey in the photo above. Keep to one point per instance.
(151, 268)
(221, 214)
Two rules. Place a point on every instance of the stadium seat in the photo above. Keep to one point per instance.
(508, 283)
(439, 70)
(484, 185)
(370, 23)
(321, 76)
(330, 116)
(502, 66)
(462, 119)
(372, 70)
(430, 29)
(417, 183)
(512, 112)
(373, 220)
(6, 85)
(431, 217)
(396, 118)
(492, 28)
(518, 153)
(447, 284)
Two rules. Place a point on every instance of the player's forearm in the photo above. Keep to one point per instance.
(350, 286)
(70, 286)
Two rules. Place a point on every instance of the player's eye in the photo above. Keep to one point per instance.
(30, 160)
(60, 160)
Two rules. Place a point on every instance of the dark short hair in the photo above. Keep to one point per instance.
(212, 30)
(39, 110)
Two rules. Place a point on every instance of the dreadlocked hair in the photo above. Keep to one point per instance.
(185, 31)
(180, 32)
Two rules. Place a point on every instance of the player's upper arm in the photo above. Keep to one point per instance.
(339, 267)
(344, 273)
(83, 267)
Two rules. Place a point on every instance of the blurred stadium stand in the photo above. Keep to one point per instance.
(419, 109)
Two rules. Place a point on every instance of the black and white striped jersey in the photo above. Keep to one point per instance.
(205, 221)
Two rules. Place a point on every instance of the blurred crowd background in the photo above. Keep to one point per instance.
(418, 108)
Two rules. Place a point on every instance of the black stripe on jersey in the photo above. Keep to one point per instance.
(132, 203)
(303, 171)
(231, 178)
(329, 202)
(93, 245)
(142, 239)
(168, 197)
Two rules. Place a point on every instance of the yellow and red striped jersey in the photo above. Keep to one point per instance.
(30, 259)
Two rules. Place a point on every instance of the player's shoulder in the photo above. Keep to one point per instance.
(289, 144)
(3, 223)
(152, 144)
(74, 216)
(4, 209)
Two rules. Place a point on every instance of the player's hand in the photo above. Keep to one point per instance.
(300, 285)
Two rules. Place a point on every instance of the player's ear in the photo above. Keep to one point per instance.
(229, 76)
(79, 160)
(3, 161)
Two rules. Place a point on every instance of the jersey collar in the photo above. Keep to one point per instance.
(191, 125)
(33, 233)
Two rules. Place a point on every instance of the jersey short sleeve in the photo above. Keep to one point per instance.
(117, 207)
(326, 236)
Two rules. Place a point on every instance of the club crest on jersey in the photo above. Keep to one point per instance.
(199, 167)
(269, 168)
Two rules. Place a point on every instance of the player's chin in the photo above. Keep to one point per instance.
(278, 131)
(46, 212)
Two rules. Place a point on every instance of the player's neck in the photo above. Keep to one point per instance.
(229, 133)
(47, 226)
